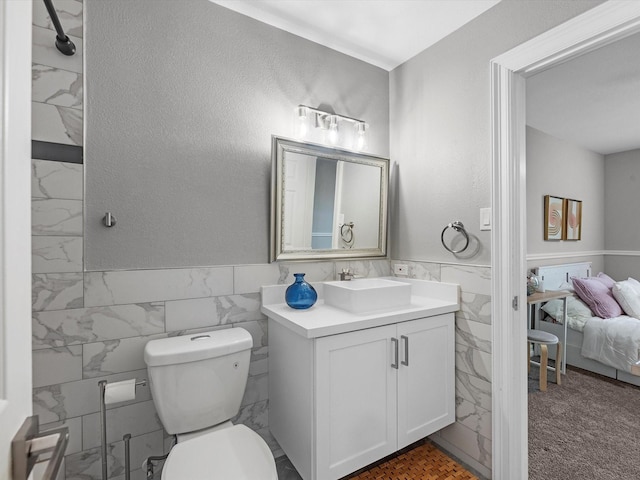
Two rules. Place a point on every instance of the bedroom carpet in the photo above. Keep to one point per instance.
(586, 428)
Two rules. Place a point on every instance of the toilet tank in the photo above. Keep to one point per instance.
(198, 381)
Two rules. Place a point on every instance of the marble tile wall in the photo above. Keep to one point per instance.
(57, 106)
(94, 326)
(469, 438)
(62, 327)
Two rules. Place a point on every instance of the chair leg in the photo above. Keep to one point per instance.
(543, 367)
(558, 363)
(528, 357)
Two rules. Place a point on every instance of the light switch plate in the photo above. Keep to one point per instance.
(485, 219)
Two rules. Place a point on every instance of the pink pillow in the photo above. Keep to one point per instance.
(598, 297)
(606, 279)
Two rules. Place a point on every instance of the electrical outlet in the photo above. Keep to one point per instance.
(400, 269)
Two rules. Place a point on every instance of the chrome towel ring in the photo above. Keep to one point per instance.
(458, 227)
(346, 233)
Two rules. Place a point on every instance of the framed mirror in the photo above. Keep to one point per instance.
(327, 202)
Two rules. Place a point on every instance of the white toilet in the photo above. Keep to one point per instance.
(197, 383)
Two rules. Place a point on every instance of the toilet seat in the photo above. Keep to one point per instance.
(236, 453)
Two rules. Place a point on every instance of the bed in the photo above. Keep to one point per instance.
(608, 347)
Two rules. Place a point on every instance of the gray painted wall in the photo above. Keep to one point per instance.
(180, 111)
(440, 127)
(622, 215)
(557, 167)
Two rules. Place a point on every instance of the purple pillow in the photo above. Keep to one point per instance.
(606, 279)
(597, 296)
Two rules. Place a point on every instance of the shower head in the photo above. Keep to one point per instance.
(65, 45)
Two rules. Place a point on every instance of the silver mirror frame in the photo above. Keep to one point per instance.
(281, 145)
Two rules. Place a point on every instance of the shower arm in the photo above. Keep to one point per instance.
(63, 43)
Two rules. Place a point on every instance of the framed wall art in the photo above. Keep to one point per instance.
(553, 218)
(572, 219)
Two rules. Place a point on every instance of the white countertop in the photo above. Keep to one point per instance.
(427, 299)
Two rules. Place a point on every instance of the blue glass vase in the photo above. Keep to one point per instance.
(300, 294)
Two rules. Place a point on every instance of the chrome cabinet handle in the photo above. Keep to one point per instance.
(395, 353)
(405, 362)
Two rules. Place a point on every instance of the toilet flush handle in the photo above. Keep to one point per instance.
(200, 337)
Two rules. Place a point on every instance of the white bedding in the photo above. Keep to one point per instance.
(612, 341)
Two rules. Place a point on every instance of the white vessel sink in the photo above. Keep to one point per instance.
(367, 294)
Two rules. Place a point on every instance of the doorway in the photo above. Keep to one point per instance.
(599, 26)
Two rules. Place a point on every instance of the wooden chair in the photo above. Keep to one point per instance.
(543, 339)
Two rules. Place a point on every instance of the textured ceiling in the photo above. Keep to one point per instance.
(384, 33)
(593, 100)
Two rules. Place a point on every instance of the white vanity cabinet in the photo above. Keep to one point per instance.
(355, 400)
(340, 402)
(426, 386)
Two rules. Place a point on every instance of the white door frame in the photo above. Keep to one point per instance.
(15, 223)
(599, 26)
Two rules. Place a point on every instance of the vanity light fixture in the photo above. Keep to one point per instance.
(330, 122)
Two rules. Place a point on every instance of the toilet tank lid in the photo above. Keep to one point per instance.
(199, 346)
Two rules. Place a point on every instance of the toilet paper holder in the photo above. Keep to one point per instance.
(102, 384)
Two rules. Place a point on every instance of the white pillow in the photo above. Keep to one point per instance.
(634, 283)
(567, 286)
(628, 297)
(577, 311)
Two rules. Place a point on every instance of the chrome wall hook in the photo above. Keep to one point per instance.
(108, 220)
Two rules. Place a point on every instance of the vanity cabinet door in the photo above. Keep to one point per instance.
(356, 422)
(426, 386)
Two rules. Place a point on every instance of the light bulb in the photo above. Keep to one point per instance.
(302, 121)
(333, 129)
(361, 140)
(302, 128)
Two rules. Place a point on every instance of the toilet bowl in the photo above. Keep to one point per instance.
(197, 384)
(236, 452)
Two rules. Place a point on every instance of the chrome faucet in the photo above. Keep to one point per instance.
(345, 274)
